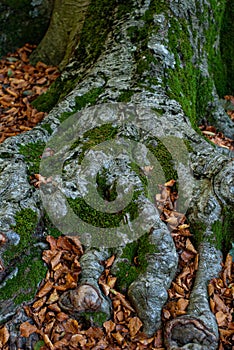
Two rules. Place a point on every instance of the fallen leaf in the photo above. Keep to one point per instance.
(135, 325)
(4, 336)
(27, 328)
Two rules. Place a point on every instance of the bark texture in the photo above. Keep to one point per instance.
(155, 59)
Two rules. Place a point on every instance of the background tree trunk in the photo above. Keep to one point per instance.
(63, 33)
(161, 56)
(21, 22)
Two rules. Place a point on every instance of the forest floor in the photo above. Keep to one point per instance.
(20, 84)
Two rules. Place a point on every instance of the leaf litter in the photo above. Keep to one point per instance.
(20, 84)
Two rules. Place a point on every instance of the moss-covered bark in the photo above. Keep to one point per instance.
(163, 55)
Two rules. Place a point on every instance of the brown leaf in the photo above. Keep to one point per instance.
(121, 297)
(56, 259)
(27, 328)
(48, 341)
(109, 326)
(170, 183)
(118, 337)
(220, 317)
(39, 303)
(187, 256)
(109, 262)
(190, 247)
(4, 336)
(135, 325)
(210, 289)
(78, 339)
(61, 316)
(220, 306)
(71, 326)
(166, 314)
(53, 297)
(45, 289)
(178, 288)
(182, 304)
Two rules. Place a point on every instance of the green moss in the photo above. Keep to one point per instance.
(227, 51)
(88, 99)
(23, 286)
(93, 318)
(100, 219)
(125, 96)
(198, 229)
(49, 228)
(94, 137)
(182, 80)
(222, 231)
(31, 269)
(188, 146)
(26, 222)
(97, 24)
(46, 101)
(47, 127)
(32, 153)
(218, 234)
(38, 345)
(216, 66)
(164, 157)
(124, 8)
(135, 261)
(228, 225)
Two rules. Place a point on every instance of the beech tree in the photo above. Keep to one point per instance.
(150, 72)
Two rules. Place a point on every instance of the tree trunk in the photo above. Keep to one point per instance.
(151, 71)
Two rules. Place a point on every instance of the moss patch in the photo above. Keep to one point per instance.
(26, 222)
(164, 157)
(92, 318)
(31, 269)
(94, 137)
(125, 96)
(135, 261)
(223, 230)
(214, 51)
(32, 153)
(198, 229)
(47, 127)
(88, 99)
(49, 228)
(23, 286)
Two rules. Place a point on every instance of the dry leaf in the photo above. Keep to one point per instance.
(135, 325)
(109, 326)
(4, 336)
(27, 328)
(45, 289)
